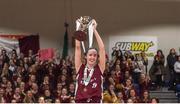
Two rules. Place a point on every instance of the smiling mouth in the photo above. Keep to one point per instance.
(91, 60)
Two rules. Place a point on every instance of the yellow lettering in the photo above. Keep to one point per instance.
(141, 48)
(135, 46)
(146, 46)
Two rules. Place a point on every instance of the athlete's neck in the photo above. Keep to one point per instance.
(90, 66)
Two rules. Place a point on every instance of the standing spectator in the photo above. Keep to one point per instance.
(171, 59)
(144, 60)
(177, 70)
(159, 68)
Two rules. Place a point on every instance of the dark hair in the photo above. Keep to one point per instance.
(177, 57)
(157, 100)
(162, 55)
(90, 49)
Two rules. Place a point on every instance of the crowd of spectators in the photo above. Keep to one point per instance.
(26, 79)
(126, 78)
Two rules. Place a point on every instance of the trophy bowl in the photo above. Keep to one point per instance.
(82, 31)
(80, 35)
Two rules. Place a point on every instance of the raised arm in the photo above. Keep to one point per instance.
(77, 55)
(102, 58)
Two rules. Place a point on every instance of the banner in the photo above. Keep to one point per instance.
(30, 42)
(46, 54)
(9, 42)
(134, 44)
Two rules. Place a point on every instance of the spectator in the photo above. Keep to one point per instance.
(72, 91)
(28, 79)
(29, 98)
(145, 97)
(120, 97)
(159, 68)
(57, 92)
(145, 61)
(154, 100)
(48, 97)
(2, 96)
(109, 95)
(171, 59)
(41, 100)
(65, 97)
(6, 72)
(132, 95)
(5, 57)
(177, 70)
(17, 95)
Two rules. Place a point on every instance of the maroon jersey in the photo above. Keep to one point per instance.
(93, 89)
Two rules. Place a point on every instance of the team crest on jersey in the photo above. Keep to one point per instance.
(94, 85)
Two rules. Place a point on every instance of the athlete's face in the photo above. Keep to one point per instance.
(91, 57)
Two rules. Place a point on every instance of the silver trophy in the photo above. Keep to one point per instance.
(84, 28)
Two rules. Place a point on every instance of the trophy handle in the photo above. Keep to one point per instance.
(90, 31)
(78, 24)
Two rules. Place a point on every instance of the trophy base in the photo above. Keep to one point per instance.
(80, 35)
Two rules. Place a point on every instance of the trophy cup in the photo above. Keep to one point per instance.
(84, 27)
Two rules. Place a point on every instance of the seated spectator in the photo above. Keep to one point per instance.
(48, 97)
(3, 98)
(132, 95)
(3, 82)
(58, 90)
(154, 100)
(65, 97)
(41, 100)
(29, 98)
(109, 95)
(127, 87)
(9, 91)
(6, 72)
(144, 83)
(145, 97)
(35, 91)
(71, 91)
(120, 97)
(57, 101)
(17, 95)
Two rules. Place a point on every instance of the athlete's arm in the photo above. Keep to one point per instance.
(77, 55)
(102, 57)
